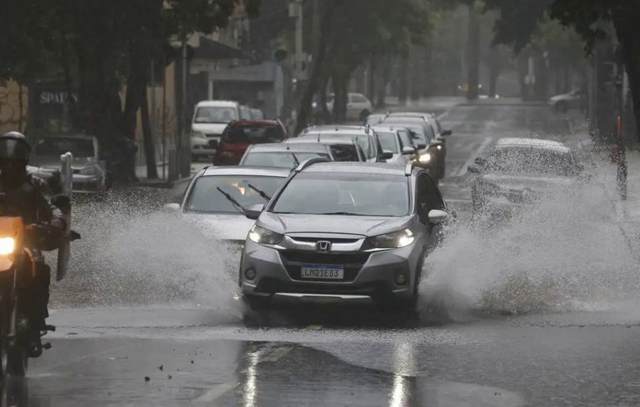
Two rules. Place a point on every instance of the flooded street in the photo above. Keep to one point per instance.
(543, 313)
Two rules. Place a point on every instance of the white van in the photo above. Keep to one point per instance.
(210, 118)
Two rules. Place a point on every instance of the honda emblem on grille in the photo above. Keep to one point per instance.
(323, 246)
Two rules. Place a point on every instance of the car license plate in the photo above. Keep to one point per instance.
(322, 272)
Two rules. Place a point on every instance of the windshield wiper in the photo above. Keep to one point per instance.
(296, 160)
(260, 192)
(233, 201)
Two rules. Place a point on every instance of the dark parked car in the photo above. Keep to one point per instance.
(241, 134)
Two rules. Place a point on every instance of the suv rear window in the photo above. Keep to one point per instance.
(253, 134)
(345, 152)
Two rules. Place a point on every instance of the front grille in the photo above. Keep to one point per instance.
(333, 240)
(352, 262)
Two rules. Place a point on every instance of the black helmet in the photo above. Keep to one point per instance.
(14, 146)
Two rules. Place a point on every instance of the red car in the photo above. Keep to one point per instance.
(241, 134)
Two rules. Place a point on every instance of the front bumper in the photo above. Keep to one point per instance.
(88, 184)
(366, 274)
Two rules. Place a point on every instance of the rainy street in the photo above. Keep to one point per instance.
(540, 312)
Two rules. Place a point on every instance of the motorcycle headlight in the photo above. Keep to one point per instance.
(264, 236)
(425, 158)
(7, 246)
(439, 147)
(394, 240)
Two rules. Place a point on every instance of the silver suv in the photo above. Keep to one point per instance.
(344, 230)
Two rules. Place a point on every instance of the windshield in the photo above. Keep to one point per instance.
(56, 146)
(205, 197)
(352, 194)
(389, 142)
(531, 161)
(216, 114)
(279, 159)
(253, 134)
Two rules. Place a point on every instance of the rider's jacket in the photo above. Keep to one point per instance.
(28, 201)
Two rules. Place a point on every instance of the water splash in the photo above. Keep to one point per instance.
(566, 251)
(131, 253)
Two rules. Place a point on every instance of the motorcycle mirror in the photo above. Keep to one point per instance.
(254, 212)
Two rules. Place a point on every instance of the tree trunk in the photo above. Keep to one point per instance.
(384, 78)
(305, 108)
(403, 89)
(340, 81)
(473, 43)
(149, 140)
(625, 24)
(371, 78)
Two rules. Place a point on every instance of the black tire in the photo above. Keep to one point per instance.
(17, 361)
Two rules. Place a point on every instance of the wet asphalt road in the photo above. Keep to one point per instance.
(205, 353)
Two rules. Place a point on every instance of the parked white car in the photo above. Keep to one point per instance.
(566, 101)
(358, 106)
(210, 118)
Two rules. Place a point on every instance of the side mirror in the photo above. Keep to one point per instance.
(387, 155)
(408, 150)
(446, 133)
(438, 217)
(254, 212)
(172, 207)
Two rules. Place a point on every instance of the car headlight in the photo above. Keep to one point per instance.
(198, 134)
(264, 236)
(7, 246)
(425, 158)
(394, 240)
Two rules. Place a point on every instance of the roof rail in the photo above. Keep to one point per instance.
(408, 170)
(308, 163)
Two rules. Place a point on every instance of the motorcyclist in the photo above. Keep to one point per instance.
(23, 196)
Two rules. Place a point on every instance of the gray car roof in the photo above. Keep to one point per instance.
(295, 147)
(256, 171)
(323, 139)
(356, 168)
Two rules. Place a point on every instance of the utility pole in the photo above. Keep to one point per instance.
(473, 51)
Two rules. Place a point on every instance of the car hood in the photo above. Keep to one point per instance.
(209, 128)
(54, 162)
(521, 183)
(339, 224)
(229, 227)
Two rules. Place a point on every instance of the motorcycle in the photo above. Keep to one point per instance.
(19, 264)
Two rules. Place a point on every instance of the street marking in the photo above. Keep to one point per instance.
(477, 153)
